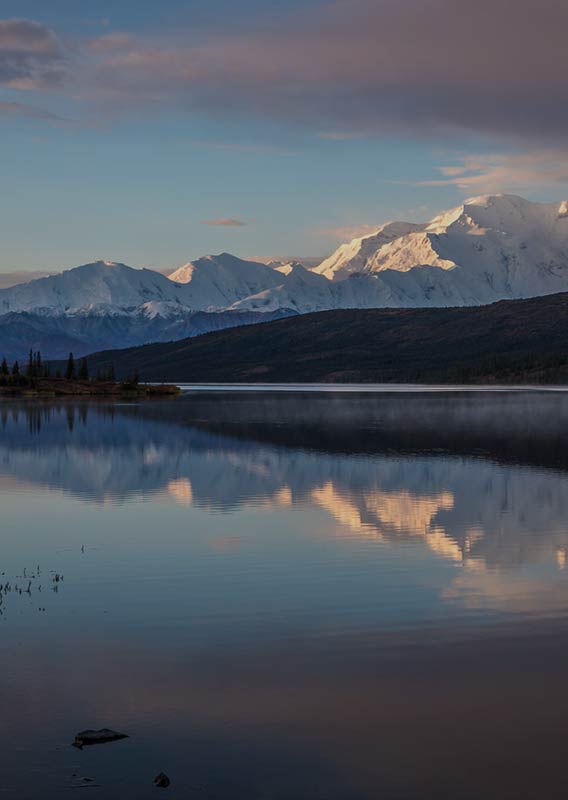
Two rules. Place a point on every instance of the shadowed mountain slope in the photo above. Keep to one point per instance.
(509, 341)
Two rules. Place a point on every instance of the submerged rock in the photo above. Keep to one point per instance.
(101, 736)
(162, 781)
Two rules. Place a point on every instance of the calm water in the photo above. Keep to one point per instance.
(302, 595)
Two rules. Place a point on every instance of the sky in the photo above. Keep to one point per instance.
(154, 133)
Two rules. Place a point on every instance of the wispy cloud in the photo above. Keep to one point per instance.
(25, 110)
(505, 172)
(111, 42)
(23, 276)
(348, 232)
(341, 136)
(238, 147)
(225, 222)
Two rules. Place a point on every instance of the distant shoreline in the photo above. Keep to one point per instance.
(54, 387)
(375, 388)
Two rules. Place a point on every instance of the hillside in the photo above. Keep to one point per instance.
(509, 341)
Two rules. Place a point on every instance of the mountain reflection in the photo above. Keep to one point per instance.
(456, 490)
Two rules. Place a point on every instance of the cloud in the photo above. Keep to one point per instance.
(505, 172)
(225, 222)
(22, 276)
(343, 67)
(31, 56)
(110, 41)
(24, 110)
(236, 147)
(348, 232)
(494, 67)
(341, 136)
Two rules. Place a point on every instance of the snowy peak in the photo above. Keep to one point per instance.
(223, 264)
(354, 255)
(98, 285)
(500, 226)
(217, 282)
(506, 213)
(286, 268)
(212, 283)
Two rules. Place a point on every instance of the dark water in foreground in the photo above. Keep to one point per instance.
(298, 596)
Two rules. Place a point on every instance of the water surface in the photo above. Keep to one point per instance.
(286, 595)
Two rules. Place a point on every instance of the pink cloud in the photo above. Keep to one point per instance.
(363, 66)
(225, 222)
(518, 172)
(347, 67)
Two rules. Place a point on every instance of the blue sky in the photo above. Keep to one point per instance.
(154, 133)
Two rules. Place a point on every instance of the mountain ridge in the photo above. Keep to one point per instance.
(487, 249)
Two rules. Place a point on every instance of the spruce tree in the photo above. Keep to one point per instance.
(70, 371)
(84, 370)
(16, 369)
(4, 367)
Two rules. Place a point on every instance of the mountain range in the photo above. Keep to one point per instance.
(487, 249)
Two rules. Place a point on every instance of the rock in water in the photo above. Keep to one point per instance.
(162, 780)
(102, 736)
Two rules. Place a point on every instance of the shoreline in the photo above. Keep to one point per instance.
(47, 387)
(370, 388)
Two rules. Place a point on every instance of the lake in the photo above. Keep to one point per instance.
(310, 595)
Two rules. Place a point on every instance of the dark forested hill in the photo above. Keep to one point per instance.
(509, 341)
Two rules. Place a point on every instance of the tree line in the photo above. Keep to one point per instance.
(36, 369)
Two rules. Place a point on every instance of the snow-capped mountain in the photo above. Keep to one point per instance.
(208, 284)
(105, 304)
(509, 243)
(103, 286)
(487, 249)
(297, 288)
(216, 282)
(355, 256)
